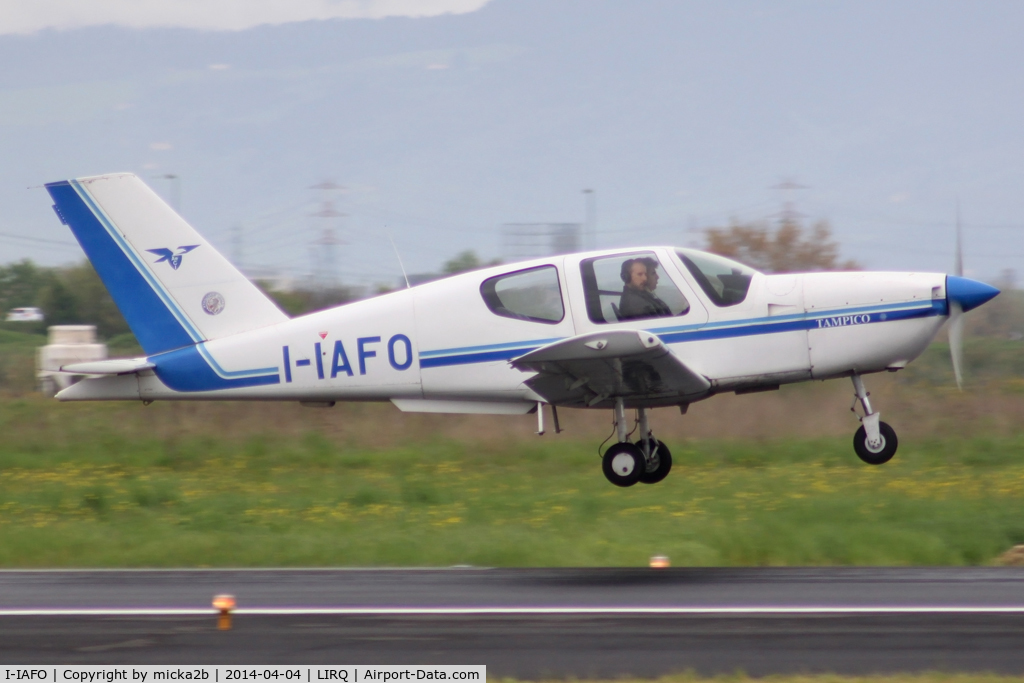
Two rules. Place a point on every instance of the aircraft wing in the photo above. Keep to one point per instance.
(590, 369)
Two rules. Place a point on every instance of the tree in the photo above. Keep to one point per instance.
(466, 261)
(20, 284)
(59, 302)
(306, 300)
(93, 304)
(783, 250)
(72, 295)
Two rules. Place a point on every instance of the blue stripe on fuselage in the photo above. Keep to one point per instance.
(468, 358)
(719, 330)
(808, 322)
(534, 343)
(187, 370)
(229, 374)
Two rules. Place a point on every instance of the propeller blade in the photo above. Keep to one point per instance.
(956, 311)
(956, 341)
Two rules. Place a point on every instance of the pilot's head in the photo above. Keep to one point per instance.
(652, 273)
(634, 273)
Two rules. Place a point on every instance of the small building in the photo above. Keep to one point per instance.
(67, 344)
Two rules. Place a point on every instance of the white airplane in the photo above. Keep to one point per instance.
(618, 329)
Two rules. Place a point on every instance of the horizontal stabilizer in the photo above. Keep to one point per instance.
(114, 366)
(592, 370)
(106, 388)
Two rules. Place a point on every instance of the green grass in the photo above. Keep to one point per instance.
(116, 485)
(18, 343)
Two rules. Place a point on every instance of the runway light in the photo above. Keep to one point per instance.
(660, 561)
(224, 604)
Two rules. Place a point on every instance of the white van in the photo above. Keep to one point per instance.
(28, 314)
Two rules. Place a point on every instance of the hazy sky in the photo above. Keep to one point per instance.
(29, 16)
(446, 119)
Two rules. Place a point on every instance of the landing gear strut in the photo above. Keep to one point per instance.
(656, 453)
(647, 461)
(875, 442)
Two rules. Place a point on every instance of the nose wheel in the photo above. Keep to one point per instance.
(875, 442)
(647, 461)
(878, 452)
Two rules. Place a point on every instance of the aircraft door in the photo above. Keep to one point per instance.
(639, 289)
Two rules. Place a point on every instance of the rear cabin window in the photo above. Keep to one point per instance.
(724, 281)
(533, 295)
(629, 287)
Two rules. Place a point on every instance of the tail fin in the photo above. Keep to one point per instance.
(172, 287)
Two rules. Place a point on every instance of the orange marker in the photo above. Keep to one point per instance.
(224, 604)
(659, 562)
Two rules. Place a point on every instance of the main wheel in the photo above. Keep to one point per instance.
(623, 464)
(658, 465)
(883, 453)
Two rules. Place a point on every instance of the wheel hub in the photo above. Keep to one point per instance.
(875, 446)
(623, 464)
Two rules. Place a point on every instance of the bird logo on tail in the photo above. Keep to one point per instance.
(173, 258)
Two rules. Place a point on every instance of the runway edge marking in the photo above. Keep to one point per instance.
(470, 611)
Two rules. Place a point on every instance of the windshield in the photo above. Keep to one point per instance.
(724, 281)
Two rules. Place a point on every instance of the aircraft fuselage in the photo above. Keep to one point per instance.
(440, 341)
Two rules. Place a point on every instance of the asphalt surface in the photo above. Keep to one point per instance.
(850, 621)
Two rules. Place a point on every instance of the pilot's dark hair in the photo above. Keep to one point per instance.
(625, 273)
(627, 266)
(649, 262)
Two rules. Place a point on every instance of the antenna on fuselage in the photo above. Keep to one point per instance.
(399, 257)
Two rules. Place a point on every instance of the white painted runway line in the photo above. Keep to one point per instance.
(527, 611)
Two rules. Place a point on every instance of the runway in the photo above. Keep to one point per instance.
(528, 623)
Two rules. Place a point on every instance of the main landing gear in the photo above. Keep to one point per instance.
(647, 461)
(875, 442)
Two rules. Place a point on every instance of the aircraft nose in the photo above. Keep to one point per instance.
(967, 292)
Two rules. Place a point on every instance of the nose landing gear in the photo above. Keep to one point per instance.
(647, 461)
(875, 442)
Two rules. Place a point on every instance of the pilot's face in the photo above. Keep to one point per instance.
(638, 276)
(652, 279)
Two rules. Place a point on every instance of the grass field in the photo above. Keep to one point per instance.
(277, 485)
(765, 479)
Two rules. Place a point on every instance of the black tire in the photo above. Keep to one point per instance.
(623, 464)
(878, 456)
(659, 465)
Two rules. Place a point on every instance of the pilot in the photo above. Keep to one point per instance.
(638, 300)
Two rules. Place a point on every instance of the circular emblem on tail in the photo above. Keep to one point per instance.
(213, 303)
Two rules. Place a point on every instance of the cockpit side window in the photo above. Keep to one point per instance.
(533, 295)
(724, 281)
(629, 287)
